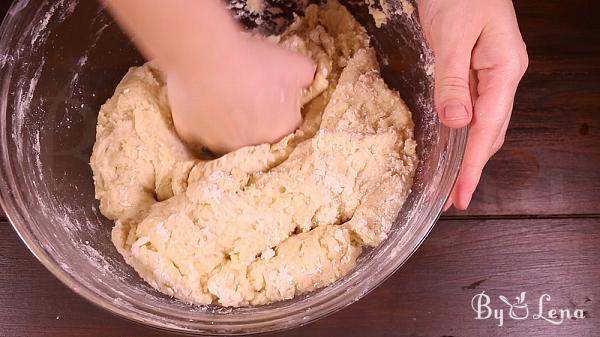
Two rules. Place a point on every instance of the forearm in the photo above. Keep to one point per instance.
(177, 33)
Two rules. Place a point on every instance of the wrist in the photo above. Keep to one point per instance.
(177, 33)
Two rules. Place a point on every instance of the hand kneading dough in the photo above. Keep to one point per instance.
(263, 223)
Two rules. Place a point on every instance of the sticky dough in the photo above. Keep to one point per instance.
(263, 223)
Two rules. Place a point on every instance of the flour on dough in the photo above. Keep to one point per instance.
(263, 223)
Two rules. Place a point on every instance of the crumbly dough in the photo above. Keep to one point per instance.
(380, 10)
(263, 223)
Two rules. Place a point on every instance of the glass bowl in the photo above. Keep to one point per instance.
(60, 60)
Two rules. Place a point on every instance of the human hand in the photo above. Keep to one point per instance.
(249, 96)
(226, 89)
(480, 59)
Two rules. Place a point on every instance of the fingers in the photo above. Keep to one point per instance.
(492, 114)
(452, 47)
(454, 198)
(449, 202)
(491, 46)
(284, 96)
(288, 117)
(498, 74)
(453, 101)
(500, 139)
(455, 84)
(299, 68)
(305, 68)
(302, 69)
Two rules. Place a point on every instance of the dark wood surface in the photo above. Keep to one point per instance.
(549, 164)
(534, 224)
(429, 296)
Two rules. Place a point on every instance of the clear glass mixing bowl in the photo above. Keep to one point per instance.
(60, 60)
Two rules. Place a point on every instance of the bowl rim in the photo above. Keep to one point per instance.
(15, 210)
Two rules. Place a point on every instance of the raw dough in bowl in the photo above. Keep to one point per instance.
(263, 223)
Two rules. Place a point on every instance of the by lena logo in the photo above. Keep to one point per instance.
(518, 309)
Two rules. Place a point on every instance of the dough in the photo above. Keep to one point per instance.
(268, 222)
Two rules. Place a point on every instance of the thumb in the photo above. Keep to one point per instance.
(452, 94)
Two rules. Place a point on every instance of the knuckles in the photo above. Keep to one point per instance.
(453, 83)
(518, 60)
(523, 58)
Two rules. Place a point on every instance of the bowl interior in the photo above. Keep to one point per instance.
(61, 60)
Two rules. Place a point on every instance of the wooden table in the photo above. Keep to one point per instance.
(534, 224)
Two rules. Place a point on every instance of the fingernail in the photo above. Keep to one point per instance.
(455, 112)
